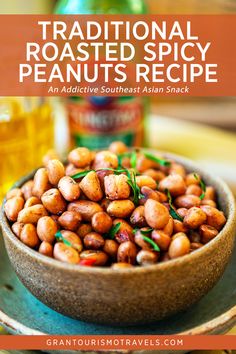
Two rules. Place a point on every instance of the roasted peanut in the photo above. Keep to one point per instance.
(71, 170)
(210, 193)
(194, 189)
(156, 214)
(29, 236)
(121, 265)
(125, 232)
(32, 214)
(27, 189)
(140, 241)
(46, 249)
(73, 239)
(12, 207)
(215, 217)
(118, 147)
(111, 247)
(155, 174)
(137, 217)
(161, 239)
(17, 228)
(168, 229)
(178, 169)
(101, 222)
(194, 218)
(32, 201)
(53, 201)
(65, 253)
(99, 258)
(70, 220)
(121, 208)
(179, 226)
(192, 178)
(174, 183)
(127, 252)
(143, 163)
(195, 246)
(101, 176)
(149, 193)
(182, 212)
(94, 241)
(91, 187)
(179, 246)
(56, 171)
(209, 202)
(187, 201)
(146, 258)
(116, 187)
(207, 233)
(146, 181)
(15, 192)
(194, 236)
(83, 230)
(50, 155)
(105, 159)
(41, 182)
(46, 229)
(80, 157)
(104, 204)
(86, 208)
(69, 188)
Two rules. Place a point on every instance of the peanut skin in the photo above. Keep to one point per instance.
(13, 206)
(156, 214)
(32, 214)
(91, 187)
(65, 253)
(121, 208)
(53, 201)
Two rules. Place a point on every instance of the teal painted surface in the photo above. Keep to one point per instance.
(19, 304)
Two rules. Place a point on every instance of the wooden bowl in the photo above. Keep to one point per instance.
(127, 296)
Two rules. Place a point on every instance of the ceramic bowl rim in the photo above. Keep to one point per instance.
(134, 270)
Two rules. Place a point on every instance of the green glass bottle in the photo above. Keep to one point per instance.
(96, 121)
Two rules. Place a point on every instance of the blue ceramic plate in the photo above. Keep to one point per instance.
(20, 312)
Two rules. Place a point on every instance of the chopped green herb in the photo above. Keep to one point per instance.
(173, 212)
(158, 160)
(81, 174)
(154, 245)
(144, 232)
(133, 160)
(115, 228)
(60, 237)
(136, 190)
(202, 185)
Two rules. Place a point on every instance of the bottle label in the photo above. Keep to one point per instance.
(97, 121)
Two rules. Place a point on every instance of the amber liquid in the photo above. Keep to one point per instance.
(24, 138)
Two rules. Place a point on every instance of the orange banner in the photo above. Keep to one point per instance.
(114, 55)
(132, 342)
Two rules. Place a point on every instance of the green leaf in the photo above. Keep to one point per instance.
(146, 232)
(173, 212)
(81, 174)
(202, 185)
(133, 160)
(158, 160)
(113, 231)
(154, 245)
(60, 237)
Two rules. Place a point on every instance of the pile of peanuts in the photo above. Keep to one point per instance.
(92, 219)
